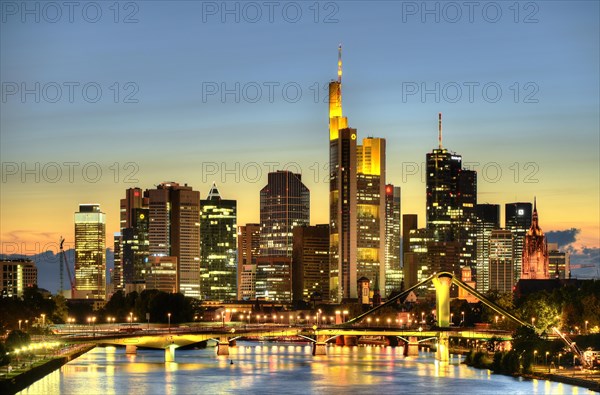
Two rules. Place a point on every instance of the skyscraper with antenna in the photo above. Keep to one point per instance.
(342, 196)
(451, 201)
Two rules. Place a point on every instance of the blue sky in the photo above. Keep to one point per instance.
(174, 133)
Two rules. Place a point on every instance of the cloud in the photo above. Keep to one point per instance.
(563, 237)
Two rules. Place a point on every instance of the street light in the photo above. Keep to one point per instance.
(496, 318)
(44, 321)
(20, 324)
(451, 318)
(586, 327)
(559, 355)
(169, 316)
(344, 314)
(130, 320)
(534, 356)
(463, 318)
(389, 320)
(533, 321)
(546, 357)
(422, 316)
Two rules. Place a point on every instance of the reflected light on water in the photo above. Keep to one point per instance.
(280, 368)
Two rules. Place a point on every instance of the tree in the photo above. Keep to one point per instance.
(17, 339)
(4, 358)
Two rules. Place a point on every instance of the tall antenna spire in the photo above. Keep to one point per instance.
(340, 63)
(440, 130)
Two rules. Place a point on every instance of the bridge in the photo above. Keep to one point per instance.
(349, 331)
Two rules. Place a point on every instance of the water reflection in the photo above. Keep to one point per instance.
(269, 368)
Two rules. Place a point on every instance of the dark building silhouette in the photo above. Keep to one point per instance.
(310, 263)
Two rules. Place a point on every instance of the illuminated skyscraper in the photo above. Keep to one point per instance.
(90, 252)
(248, 251)
(488, 219)
(451, 200)
(284, 205)
(393, 273)
(175, 231)
(501, 261)
(370, 211)
(535, 252)
(518, 221)
(342, 196)
(218, 252)
(134, 243)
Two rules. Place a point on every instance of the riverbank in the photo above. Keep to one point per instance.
(580, 378)
(21, 378)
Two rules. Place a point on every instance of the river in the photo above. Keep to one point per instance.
(280, 368)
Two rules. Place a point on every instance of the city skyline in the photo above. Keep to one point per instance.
(553, 142)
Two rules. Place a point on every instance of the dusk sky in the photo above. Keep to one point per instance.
(161, 115)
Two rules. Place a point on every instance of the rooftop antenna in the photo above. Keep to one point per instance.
(440, 130)
(340, 63)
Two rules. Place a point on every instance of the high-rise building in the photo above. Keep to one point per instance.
(134, 241)
(393, 272)
(161, 273)
(218, 252)
(559, 262)
(248, 250)
(488, 219)
(370, 211)
(16, 275)
(342, 196)
(284, 204)
(409, 264)
(535, 252)
(451, 200)
(310, 263)
(416, 262)
(174, 231)
(443, 170)
(274, 278)
(90, 252)
(517, 219)
(117, 273)
(501, 261)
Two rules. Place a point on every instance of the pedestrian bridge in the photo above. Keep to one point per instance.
(350, 331)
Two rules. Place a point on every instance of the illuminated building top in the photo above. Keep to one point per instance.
(535, 251)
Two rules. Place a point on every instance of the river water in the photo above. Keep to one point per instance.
(280, 368)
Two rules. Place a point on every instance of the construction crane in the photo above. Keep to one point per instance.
(63, 260)
(585, 363)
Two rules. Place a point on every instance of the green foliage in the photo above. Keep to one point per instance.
(544, 308)
(4, 359)
(154, 302)
(525, 340)
(17, 339)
